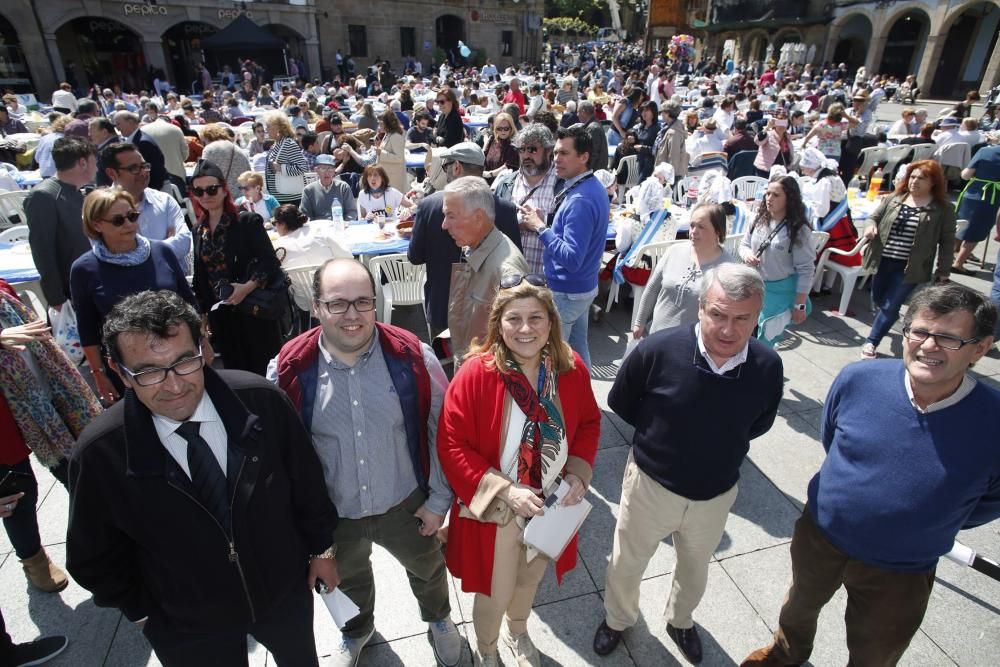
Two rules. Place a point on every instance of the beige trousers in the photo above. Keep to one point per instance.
(515, 582)
(648, 513)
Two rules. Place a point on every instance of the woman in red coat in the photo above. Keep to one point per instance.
(519, 416)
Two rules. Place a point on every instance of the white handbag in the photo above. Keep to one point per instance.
(289, 185)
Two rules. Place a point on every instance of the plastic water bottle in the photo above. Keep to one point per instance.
(876, 184)
(853, 188)
(337, 215)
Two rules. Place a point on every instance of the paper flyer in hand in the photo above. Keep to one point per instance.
(341, 608)
(553, 530)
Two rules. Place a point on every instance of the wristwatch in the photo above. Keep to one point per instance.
(800, 306)
(329, 554)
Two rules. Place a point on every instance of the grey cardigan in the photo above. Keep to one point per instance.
(671, 295)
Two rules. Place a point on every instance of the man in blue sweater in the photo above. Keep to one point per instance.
(575, 237)
(911, 460)
(681, 477)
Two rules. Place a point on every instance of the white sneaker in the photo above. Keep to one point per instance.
(524, 650)
(349, 650)
(868, 351)
(485, 659)
(447, 642)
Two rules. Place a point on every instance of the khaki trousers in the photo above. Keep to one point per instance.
(515, 582)
(648, 513)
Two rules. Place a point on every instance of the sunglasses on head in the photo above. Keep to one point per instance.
(121, 219)
(515, 279)
(211, 191)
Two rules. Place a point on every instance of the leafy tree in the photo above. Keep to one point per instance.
(592, 11)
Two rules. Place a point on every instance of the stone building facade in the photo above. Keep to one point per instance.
(950, 45)
(506, 31)
(124, 42)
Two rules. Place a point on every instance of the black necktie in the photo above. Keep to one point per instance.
(207, 476)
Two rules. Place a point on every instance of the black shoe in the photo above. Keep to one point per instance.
(41, 650)
(687, 641)
(606, 639)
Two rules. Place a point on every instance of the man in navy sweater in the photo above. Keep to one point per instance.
(911, 460)
(681, 477)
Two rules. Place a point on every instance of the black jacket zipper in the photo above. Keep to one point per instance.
(234, 556)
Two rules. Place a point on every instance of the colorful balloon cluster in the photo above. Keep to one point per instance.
(681, 47)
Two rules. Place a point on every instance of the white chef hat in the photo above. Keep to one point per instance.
(812, 159)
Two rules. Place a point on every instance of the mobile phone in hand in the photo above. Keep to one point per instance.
(14, 482)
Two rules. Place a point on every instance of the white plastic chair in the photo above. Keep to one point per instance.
(302, 278)
(188, 207)
(630, 165)
(745, 187)
(682, 187)
(405, 286)
(732, 244)
(11, 206)
(869, 157)
(849, 274)
(171, 189)
(655, 251)
(923, 152)
(819, 240)
(14, 234)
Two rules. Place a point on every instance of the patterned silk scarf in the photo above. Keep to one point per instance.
(544, 433)
(50, 422)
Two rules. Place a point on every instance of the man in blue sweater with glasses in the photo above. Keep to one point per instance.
(912, 458)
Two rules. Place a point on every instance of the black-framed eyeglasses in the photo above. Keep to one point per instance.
(211, 191)
(945, 341)
(515, 279)
(147, 377)
(122, 218)
(531, 150)
(136, 169)
(362, 304)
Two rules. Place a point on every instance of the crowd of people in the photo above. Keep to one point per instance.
(271, 464)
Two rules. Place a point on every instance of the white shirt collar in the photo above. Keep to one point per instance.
(729, 364)
(964, 389)
(205, 412)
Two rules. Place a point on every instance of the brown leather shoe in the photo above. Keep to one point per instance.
(762, 657)
(606, 639)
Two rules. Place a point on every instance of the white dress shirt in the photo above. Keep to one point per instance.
(729, 364)
(212, 430)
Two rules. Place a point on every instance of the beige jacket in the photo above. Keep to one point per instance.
(672, 150)
(392, 158)
(474, 283)
(172, 144)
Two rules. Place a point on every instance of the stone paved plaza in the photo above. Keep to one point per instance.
(747, 581)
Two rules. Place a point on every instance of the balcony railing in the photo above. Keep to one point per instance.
(767, 11)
